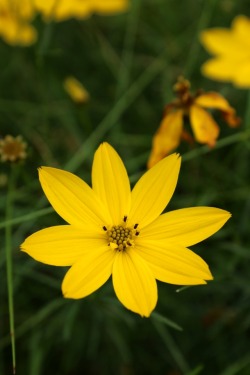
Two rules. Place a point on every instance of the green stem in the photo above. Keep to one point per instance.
(172, 346)
(112, 117)
(27, 217)
(235, 138)
(9, 268)
(129, 41)
(45, 41)
(204, 20)
(35, 320)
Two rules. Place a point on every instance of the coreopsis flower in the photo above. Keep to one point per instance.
(194, 107)
(15, 18)
(231, 49)
(113, 231)
(12, 149)
(80, 9)
(76, 90)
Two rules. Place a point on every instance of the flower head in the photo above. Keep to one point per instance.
(12, 149)
(15, 18)
(76, 90)
(231, 49)
(194, 106)
(113, 231)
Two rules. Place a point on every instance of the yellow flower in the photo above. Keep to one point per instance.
(206, 131)
(113, 231)
(60, 10)
(15, 18)
(231, 48)
(76, 90)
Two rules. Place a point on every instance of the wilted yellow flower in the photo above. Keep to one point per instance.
(12, 148)
(76, 91)
(231, 48)
(206, 131)
(15, 18)
(61, 10)
(113, 231)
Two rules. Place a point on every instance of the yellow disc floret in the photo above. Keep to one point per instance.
(120, 237)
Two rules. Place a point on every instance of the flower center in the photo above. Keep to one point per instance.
(12, 148)
(120, 237)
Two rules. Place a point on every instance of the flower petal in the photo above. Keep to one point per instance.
(205, 128)
(213, 100)
(241, 28)
(89, 273)
(173, 264)
(217, 101)
(15, 32)
(222, 41)
(134, 283)
(62, 245)
(228, 42)
(241, 77)
(72, 198)
(221, 68)
(154, 190)
(111, 183)
(167, 137)
(186, 226)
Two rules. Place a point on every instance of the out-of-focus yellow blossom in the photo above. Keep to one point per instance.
(15, 18)
(61, 10)
(76, 91)
(231, 48)
(205, 129)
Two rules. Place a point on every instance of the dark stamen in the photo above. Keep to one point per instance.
(135, 226)
(104, 228)
(125, 219)
(137, 233)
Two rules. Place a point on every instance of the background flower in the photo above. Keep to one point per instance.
(76, 90)
(206, 131)
(15, 18)
(231, 49)
(12, 149)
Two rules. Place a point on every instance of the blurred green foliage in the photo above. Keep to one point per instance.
(128, 63)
